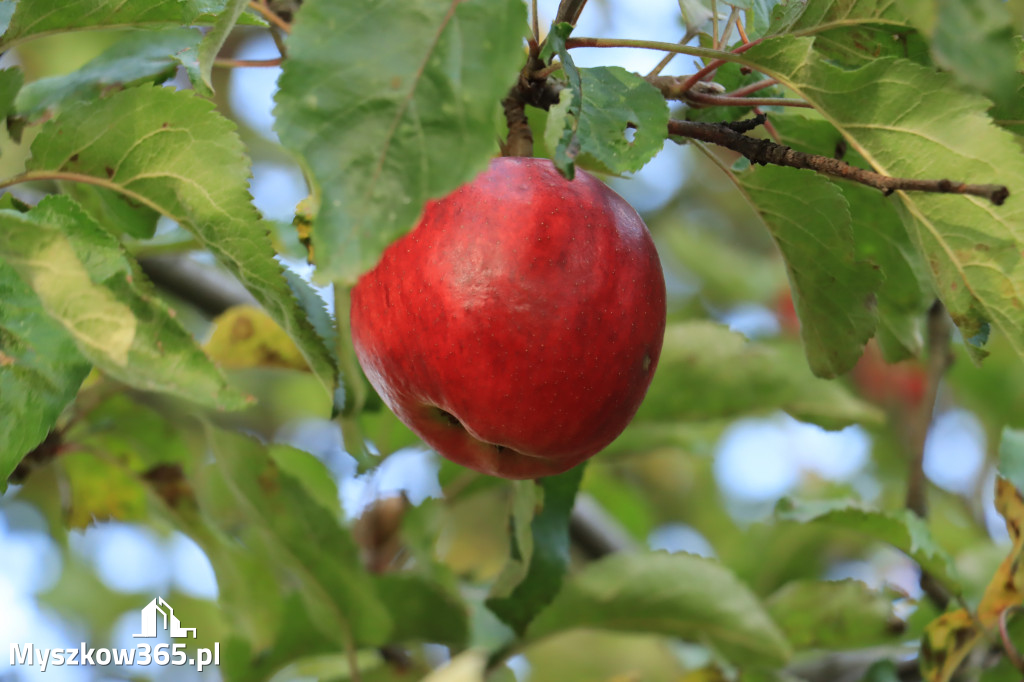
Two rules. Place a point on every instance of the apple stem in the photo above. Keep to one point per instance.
(520, 137)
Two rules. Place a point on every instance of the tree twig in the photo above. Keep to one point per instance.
(940, 357)
(569, 11)
(713, 66)
(234, 63)
(543, 73)
(753, 87)
(270, 15)
(669, 56)
(1012, 654)
(746, 125)
(743, 32)
(544, 93)
(282, 49)
(709, 100)
(767, 152)
(727, 30)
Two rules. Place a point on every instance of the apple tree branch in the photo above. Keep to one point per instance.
(535, 89)
(763, 152)
(940, 357)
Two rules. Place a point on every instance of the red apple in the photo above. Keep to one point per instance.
(785, 312)
(517, 327)
(899, 386)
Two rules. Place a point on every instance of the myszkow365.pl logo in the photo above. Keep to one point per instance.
(157, 616)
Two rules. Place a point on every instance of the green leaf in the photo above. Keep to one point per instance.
(296, 538)
(40, 371)
(759, 15)
(10, 84)
(423, 611)
(314, 476)
(611, 116)
(880, 238)
(904, 530)
(214, 40)
(844, 614)
(517, 604)
(1011, 457)
(975, 41)
(139, 57)
(616, 105)
(1009, 114)
(886, 111)
(381, 136)
(144, 438)
(678, 595)
(86, 281)
(696, 15)
(905, 294)
(170, 151)
(859, 31)
(833, 291)
(560, 132)
(36, 18)
(111, 210)
(526, 497)
(1008, 111)
(315, 310)
(708, 372)
(294, 642)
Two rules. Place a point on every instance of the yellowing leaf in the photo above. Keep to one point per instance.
(245, 336)
(40, 370)
(1007, 586)
(87, 282)
(102, 490)
(951, 636)
(946, 642)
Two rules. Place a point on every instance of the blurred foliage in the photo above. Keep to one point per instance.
(349, 552)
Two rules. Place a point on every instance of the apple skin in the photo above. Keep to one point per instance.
(517, 327)
(897, 386)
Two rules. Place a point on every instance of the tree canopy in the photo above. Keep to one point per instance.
(842, 233)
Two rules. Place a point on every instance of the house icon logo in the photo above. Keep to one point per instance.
(170, 623)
